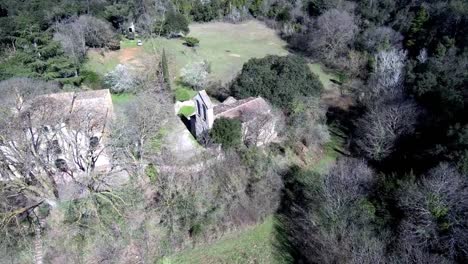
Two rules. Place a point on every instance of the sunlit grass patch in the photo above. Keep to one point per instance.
(253, 245)
(184, 94)
(121, 99)
(325, 77)
(186, 110)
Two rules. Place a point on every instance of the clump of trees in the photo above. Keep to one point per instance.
(329, 218)
(174, 24)
(281, 80)
(432, 211)
(334, 32)
(76, 35)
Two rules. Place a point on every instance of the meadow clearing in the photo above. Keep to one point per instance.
(225, 46)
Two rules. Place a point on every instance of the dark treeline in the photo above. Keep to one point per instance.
(402, 197)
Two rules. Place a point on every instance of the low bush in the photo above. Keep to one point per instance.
(91, 79)
(191, 41)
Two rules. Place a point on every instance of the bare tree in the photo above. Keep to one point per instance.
(381, 127)
(72, 38)
(325, 220)
(386, 81)
(376, 39)
(77, 34)
(51, 150)
(144, 117)
(308, 124)
(17, 91)
(97, 33)
(435, 213)
(259, 129)
(48, 142)
(334, 32)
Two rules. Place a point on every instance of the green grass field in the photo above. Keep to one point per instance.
(324, 76)
(253, 245)
(226, 46)
(121, 99)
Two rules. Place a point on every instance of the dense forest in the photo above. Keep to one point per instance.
(396, 193)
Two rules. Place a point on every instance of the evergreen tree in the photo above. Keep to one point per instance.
(165, 70)
(416, 33)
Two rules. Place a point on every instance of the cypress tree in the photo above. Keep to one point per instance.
(165, 69)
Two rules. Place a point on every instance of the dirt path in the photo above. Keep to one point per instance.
(128, 54)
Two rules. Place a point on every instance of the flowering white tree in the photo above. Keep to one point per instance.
(386, 81)
(121, 79)
(196, 74)
(389, 67)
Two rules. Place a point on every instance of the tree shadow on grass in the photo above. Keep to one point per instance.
(293, 204)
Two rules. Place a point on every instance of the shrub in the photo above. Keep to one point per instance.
(191, 41)
(279, 79)
(91, 79)
(120, 80)
(227, 132)
(151, 172)
(174, 24)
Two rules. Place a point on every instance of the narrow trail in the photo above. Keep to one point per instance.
(38, 243)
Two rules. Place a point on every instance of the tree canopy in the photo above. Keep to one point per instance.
(281, 80)
(227, 132)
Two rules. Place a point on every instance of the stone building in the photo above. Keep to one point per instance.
(259, 124)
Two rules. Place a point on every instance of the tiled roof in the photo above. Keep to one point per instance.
(97, 103)
(239, 108)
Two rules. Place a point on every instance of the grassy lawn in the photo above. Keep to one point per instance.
(122, 98)
(323, 76)
(128, 43)
(252, 245)
(184, 94)
(187, 110)
(99, 64)
(226, 46)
